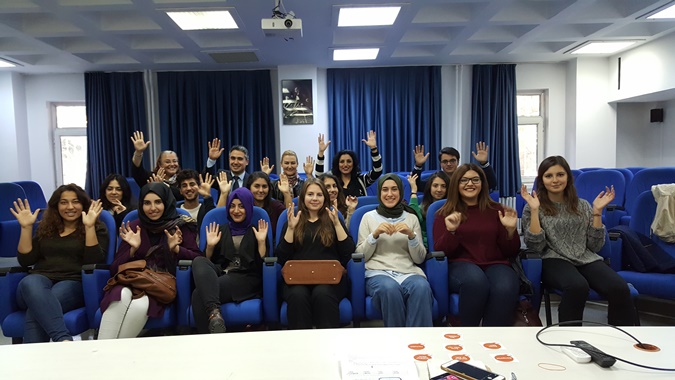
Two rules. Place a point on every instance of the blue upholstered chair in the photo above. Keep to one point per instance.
(35, 195)
(77, 321)
(367, 200)
(9, 226)
(643, 181)
(590, 183)
(435, 267)
(275, 308)
(249, 312)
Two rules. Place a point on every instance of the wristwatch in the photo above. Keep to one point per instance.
(414, 236)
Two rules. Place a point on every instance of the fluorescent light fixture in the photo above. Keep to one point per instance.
(200, 20)
(601, 47)
(668, 12)
(4, 63)
(355, 54)
(368, 16)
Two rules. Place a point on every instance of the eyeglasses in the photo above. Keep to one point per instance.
(447, 162)
(474, 180)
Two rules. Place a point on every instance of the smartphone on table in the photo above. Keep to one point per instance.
(468, 372)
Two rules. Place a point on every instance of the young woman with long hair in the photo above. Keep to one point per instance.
(436, 188)
(115, 196)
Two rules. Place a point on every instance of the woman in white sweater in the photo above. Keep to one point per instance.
(390, 238)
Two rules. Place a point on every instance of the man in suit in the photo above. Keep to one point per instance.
(449, 159)
(238, 163)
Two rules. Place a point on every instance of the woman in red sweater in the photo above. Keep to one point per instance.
(479, 237)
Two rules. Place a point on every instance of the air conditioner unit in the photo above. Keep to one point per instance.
(282, 27)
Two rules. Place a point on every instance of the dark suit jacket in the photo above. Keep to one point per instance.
(212, 170)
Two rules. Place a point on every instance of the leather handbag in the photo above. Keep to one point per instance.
(312, 272)
(526, 315)
(142, 280)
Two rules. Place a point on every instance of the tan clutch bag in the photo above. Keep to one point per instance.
(312, 272)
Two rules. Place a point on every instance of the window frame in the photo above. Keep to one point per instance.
(57, 133)
(540, 122)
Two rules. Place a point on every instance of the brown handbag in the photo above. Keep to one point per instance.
(526, 315)
(159, 285)
(312, 272)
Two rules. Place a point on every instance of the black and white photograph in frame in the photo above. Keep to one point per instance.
(296, 101)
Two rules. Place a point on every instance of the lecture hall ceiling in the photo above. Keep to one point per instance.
(59, 36)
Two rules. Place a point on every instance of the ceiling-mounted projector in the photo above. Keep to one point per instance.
(282, 27)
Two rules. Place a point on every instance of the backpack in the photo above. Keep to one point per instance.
(642, 254)
(663, 225)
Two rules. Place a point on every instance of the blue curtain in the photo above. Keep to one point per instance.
(494, 119)
(401, 104)
(234, 106)
(115, 109)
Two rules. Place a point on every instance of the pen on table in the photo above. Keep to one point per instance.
(513, 376)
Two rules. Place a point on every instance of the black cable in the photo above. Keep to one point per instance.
(639, 343)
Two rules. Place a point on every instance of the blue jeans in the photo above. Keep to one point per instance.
(406, 305)
(45, 302)
(490, 294)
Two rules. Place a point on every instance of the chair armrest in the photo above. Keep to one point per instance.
(271, 275)
(616, 248)
(9, 280)
(94, 279)
(90, 268)
(436, 269)
(183, 291)
(532, 269)
(356, 270)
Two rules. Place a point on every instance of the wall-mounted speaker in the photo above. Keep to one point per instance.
(656, 115)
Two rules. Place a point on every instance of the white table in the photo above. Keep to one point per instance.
(315, 354)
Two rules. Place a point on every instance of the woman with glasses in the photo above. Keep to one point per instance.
(479, 237)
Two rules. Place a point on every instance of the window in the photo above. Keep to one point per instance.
(70, 142)
(530, 133)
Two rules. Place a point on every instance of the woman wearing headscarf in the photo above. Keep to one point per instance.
(161, 237)
(232, 268)
(390, 237)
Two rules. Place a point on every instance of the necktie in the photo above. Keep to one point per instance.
(235, 182)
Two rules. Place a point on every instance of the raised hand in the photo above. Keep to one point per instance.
(420, 156)
(132, 238)
(603, 199)
(481, 154)
(156, 177)
(118, 207)
(174, 240)
(453, 221)
(371, 141)
(333, 213)
(309, 166)
(412, 180)
(322, 145)
(283, 185)
(509, 218)
(215, 151)
(403, 228)
(223, 183)
(22, 213)
(531, 199)
(205, 184)
(213, 234)
(265, 165)
(89, 217)
(293, 218)
(261, 232)
(384, 228)
(140, 145)
(351, 202)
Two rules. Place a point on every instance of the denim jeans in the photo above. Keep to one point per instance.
(406, 305)
(489, 295)
(45, 302)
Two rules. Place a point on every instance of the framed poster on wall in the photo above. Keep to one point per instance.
(297, 101)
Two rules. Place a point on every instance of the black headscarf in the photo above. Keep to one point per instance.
(396, 211)
(169, 219)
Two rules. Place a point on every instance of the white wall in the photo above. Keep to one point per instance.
(302, 138)
(13, 142)
(641, 143)
(551, 78)
(41, 90)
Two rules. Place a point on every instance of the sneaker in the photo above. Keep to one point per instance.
(216, 322)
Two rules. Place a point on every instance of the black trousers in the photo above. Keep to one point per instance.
(212, 288)
(314, 305)
(575, 282)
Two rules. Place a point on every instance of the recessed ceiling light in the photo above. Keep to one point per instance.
(668, 12)
(200, 20)
(368, 16)
(354, 54)
(4, 63)
(601, 47)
